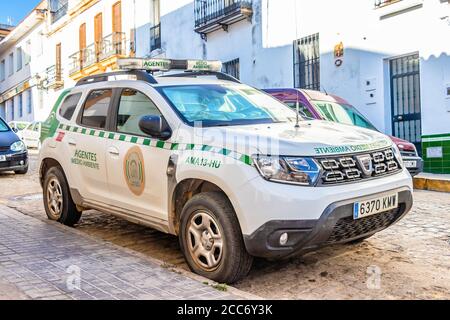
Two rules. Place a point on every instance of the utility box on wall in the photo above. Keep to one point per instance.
(370, 91)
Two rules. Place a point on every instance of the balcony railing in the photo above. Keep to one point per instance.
(60, 11)
(54, 77)
(383, 3)
(211, 15)
(111, 45)
(155, 37)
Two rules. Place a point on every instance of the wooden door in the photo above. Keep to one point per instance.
(98, 34)
(58, 70)
(82, 43)
(117, 27)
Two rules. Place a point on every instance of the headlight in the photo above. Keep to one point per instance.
(18, 146)
(397, 154)
(292, 170)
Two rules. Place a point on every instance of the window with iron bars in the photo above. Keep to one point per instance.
(307, 63)
(58, 9)
(232, 68)
(155, 37)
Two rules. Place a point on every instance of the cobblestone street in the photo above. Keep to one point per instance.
(410, 260)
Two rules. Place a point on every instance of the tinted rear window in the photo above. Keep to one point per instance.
(96, 108)
(68, 106)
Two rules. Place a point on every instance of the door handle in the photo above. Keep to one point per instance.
(114, 151)
(72, 142)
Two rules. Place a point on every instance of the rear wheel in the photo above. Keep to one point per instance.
(211, 238)
(58, 202)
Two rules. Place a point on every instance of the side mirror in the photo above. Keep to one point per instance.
(155, 126)
(15, 130)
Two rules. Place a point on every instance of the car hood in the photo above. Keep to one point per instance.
(7, 138)
(312, 138)
(403, 144)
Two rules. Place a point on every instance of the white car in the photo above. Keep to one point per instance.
(18, 126)
(31, 135)
(231, 171)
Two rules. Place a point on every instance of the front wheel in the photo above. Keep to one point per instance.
(58, 202)
(211, 238)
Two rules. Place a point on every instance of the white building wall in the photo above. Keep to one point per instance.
(265, 48)
(31, 45)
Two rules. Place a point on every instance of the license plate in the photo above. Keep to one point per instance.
(373, 206)
(410, 164)
(2, 158)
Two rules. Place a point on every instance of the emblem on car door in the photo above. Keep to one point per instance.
(365, 162)
(134, 170)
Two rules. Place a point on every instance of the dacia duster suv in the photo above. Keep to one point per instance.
(231, 171)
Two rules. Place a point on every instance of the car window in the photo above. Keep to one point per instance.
(3, 126)
(30, 127)
(96, 108)
(68, 106)
(132, 107)
(304, 111)
(342, 113)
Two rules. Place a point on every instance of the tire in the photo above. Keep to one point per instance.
(62, 208)
(213, 209)
(23, 171)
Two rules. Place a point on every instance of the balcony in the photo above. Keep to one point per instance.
(390, 8)
(383, 3)
(97, 57)
(54, 77)
(58, 9)
(155, 37)
(211, 15)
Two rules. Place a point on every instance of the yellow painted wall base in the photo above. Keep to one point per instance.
(432, 184)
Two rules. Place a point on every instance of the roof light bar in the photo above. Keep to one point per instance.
(169, 64)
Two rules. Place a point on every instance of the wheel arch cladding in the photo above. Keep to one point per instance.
(183, 192)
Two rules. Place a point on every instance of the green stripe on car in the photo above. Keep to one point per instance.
(246, 159)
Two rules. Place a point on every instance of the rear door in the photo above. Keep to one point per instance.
(86, 143)
(137, 163)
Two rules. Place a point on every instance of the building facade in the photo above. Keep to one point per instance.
(389, 58)
(60, 42)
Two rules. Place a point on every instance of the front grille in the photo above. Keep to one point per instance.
(405, 153)
(348, 228)
(345, 169)
(3, 149)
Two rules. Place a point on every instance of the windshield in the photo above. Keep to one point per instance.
(3, 126)
(224, 105)
(21, 125)
(342, 113)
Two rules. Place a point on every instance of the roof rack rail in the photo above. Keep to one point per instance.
(193, 74)
(140, 75)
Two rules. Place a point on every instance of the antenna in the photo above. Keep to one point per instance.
(325, 90)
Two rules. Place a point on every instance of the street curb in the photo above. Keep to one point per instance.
(421, 183)
(231, 290)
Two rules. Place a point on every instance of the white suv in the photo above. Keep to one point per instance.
(230, 170)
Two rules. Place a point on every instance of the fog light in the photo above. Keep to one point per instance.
(284, 239)
(21, 162)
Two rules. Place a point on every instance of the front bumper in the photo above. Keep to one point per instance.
(336, 225)
(414, 171)
(14, 161)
